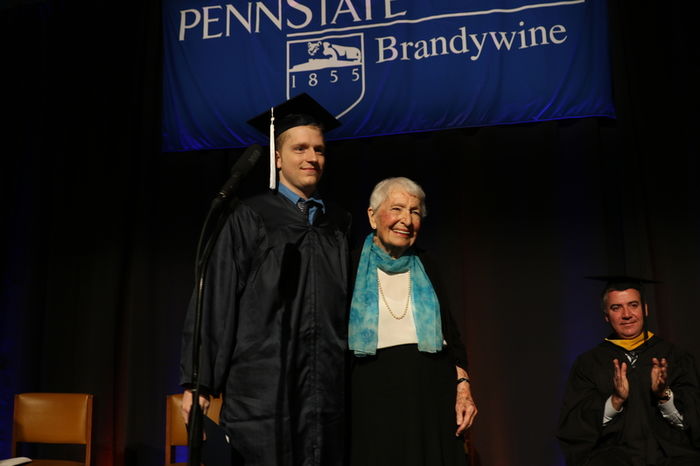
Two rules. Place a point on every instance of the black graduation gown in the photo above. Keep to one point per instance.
(274, 332)
(639, 434)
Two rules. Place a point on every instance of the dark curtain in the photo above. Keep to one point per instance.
(99, 226)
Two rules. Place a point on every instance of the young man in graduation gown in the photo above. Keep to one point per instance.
(274, 325)
(635, 398)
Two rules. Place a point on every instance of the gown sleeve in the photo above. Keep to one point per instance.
(581, 419)
(684, 382)
(229, 268)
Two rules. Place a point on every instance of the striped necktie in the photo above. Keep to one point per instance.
(303, 207)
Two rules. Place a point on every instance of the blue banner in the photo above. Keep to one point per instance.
(381, 66)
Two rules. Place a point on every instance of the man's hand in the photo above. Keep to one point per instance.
(659, 376)
(620, 384)
(464, 404)
(187, 404)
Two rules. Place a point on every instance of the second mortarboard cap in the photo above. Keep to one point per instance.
(300, 110)
(622, 282)
(619, 281)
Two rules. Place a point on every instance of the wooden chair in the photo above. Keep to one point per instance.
(175, 431)
(54, 418)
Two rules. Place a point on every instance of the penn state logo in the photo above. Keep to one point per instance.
(329, 68)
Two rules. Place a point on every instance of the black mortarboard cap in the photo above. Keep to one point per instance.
(300, 110)
(622, 282)
(616, 280)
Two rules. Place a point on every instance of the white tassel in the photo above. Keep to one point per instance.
(273, 165)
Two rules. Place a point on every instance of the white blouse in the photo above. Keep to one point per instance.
(390, 330)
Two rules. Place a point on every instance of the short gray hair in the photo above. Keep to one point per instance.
(383, 188)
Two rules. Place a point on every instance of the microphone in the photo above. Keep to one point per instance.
(239, 170)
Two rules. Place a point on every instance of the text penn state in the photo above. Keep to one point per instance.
(216, 21)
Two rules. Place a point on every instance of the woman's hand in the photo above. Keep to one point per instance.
(464, 404)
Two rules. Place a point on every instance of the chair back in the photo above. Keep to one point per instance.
(175, 430)
(62, 418)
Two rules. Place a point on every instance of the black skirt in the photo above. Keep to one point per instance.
(403, 409)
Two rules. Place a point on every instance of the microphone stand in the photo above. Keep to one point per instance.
(201, 262)
(244, 164)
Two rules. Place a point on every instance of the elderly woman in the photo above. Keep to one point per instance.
(411, 396)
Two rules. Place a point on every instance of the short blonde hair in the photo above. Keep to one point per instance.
(282, 137)
(383, 188)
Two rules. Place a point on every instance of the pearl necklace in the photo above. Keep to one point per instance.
(408, 298)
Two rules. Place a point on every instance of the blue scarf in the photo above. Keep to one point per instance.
(364, 310)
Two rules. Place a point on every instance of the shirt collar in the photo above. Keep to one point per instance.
(294, 197)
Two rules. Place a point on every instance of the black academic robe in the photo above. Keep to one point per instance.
(274, 332)
(639, 434)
